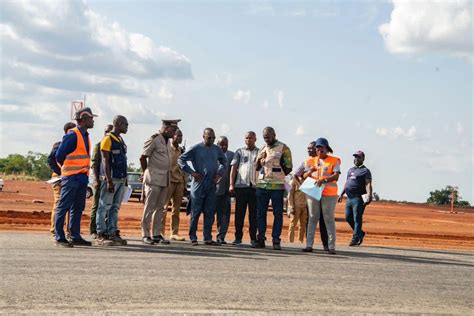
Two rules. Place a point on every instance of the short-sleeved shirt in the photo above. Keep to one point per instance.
(159, 164)
(285, 162)
(176, 174)
(356, 181)
(245, 161)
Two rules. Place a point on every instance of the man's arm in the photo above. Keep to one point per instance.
(183, 164)
(95, 165)
(108, 176)
(286, 160)
(368, 186)
(53, 165)
(234, 164)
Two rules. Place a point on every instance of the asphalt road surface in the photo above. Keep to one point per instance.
(40, 278)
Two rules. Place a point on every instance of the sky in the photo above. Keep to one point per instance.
(391, 78)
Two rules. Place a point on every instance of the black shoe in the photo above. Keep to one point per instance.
(332, 251)
(160, 239)
(353, 243)
(148, 241)
(222, 241)
(361, 239)
(253, 244)
(80, 242)
(237, 242)
(211, 243)
(276, 246)
(326, 248)
(307, 249)
(63, 243)
(194, 242)
(260, 244)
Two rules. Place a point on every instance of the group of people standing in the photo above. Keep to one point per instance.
(255, 176)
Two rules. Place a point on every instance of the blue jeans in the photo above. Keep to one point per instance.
(206, 205)
(354, 211)
(263, 198)
(73, 197)
(109, 204)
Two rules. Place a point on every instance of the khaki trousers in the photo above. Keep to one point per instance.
(175, 194)
(155, 198)
(327, 205)
(56, 196)
(300, 215)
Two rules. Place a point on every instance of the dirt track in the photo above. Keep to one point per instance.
(26, 206)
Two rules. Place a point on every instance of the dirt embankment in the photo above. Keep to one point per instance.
(26, 206)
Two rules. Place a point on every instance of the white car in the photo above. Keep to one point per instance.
(1, 184)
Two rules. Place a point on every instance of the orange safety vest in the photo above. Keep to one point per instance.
(79, 160)
(325, 169)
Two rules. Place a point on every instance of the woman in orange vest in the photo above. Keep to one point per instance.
(325, 170)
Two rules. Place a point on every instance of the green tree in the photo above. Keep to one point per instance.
(15, 164)
(444, 196)
(39, 165)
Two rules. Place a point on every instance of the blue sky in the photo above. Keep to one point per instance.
(393, 79)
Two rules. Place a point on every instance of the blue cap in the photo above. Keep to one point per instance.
(320, 142)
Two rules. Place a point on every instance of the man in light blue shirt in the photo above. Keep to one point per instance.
(208, 165)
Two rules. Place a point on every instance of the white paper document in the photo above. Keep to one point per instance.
(126, 194)
(309, 187)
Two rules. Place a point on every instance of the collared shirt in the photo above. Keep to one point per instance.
(159, 164)
(176, 174)
(67, 146)
(223, 186)
(207, 161)
(356, 181)
(285, 162)
(245, 161)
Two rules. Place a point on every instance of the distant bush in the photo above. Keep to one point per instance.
(444, 196)
(33, 165)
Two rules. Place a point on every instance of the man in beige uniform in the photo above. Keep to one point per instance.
(155, 163)
(176, 188)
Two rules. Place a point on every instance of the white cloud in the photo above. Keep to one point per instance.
(165, 93)
(65, 45)
(280, 98)
(224, 129)
(242, 96)
(397, 132)
(430, 26)
(300, 131)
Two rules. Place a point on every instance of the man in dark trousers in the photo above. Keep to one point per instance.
(56, 173)
(74, 157)
(223, 194)
(95, 167)
(358, 183)
(243, 183)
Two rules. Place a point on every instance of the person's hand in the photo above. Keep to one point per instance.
(263, 156)
(197, 176)
(339, 200)
(110, 186)
(231, 189)
(140, 178)
(319, 182)
(96, 185)
(368, 201)
(217, 179)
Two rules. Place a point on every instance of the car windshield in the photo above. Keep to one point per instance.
(133, 177)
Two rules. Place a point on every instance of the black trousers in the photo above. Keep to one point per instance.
(245, 197)
(322, 231)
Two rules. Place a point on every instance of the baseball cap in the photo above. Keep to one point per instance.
(320, 142)
(359, 153)
(84, 112)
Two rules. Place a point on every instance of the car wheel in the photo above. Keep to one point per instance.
(89, 193)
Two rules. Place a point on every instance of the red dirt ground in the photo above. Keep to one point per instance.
(386, 224)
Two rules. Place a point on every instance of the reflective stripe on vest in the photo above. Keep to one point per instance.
(79, 160)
